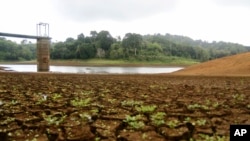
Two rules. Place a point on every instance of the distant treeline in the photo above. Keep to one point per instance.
(11, 51)
(132, 47)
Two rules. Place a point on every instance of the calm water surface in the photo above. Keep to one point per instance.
(94, 70)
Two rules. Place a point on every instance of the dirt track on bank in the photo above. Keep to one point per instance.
(50, 106)
(237, 65)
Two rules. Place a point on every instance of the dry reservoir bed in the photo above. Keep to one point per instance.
(58, 107)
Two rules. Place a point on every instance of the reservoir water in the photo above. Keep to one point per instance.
(93, 70)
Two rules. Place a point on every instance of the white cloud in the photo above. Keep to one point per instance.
(233, 3)
(116, 10)
(207, 19)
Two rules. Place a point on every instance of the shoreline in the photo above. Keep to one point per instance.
(82, 64)
(5, 68)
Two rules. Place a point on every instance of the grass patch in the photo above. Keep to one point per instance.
(166, 61)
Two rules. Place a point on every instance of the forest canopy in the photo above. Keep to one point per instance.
(132, 46)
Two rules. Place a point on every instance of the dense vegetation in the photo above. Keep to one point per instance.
(132, 47)
(11, 51)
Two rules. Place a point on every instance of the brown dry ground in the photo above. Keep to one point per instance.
(120, 107)
(198, 103)
(238, 65)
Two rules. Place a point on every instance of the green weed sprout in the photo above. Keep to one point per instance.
(131, 103)
(53, 120)
(56, 96)
(146, 109)
(212, 138)
(238, 97)
(197, 106)
(158, 118)
(134, 122)
(80, 102)
(187, 119)
(201, 122)
(173, 123)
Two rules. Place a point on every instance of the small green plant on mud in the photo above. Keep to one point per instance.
(14, 102)
(208, 102)
(201, 122)
(187, 119)
(198, 122)
(50, 119)
(7, 121)
(112, 101)
(87, 92)
(56, 96)
(197, 106)
(146, 108)
(144, 136)
(153, 86)
(97, 138)
(193, 106)
(80, 102)
(238, 97)
(144, 96)
(105, 90)
(215, 104)
(131, 103)
(158, 118)
(86, 117)
(205, 137)
(34, 139)
(173, 123)
(42, 100)
(134, 121)
(94, 111)
(15, 133)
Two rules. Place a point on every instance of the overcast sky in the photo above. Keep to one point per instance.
(209, 20)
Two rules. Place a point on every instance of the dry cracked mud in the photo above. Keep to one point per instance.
(58, 107)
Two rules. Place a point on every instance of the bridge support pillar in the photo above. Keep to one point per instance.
(43, 56)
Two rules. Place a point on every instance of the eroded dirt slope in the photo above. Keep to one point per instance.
(231, 65)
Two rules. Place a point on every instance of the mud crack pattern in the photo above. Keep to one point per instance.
(58, 107)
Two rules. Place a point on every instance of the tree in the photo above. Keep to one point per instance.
(69, 52)
(80, 38)
(85, 51)
(93, 35)
(132, 41)
(104, 41)
(116, 51)
(58, 51)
